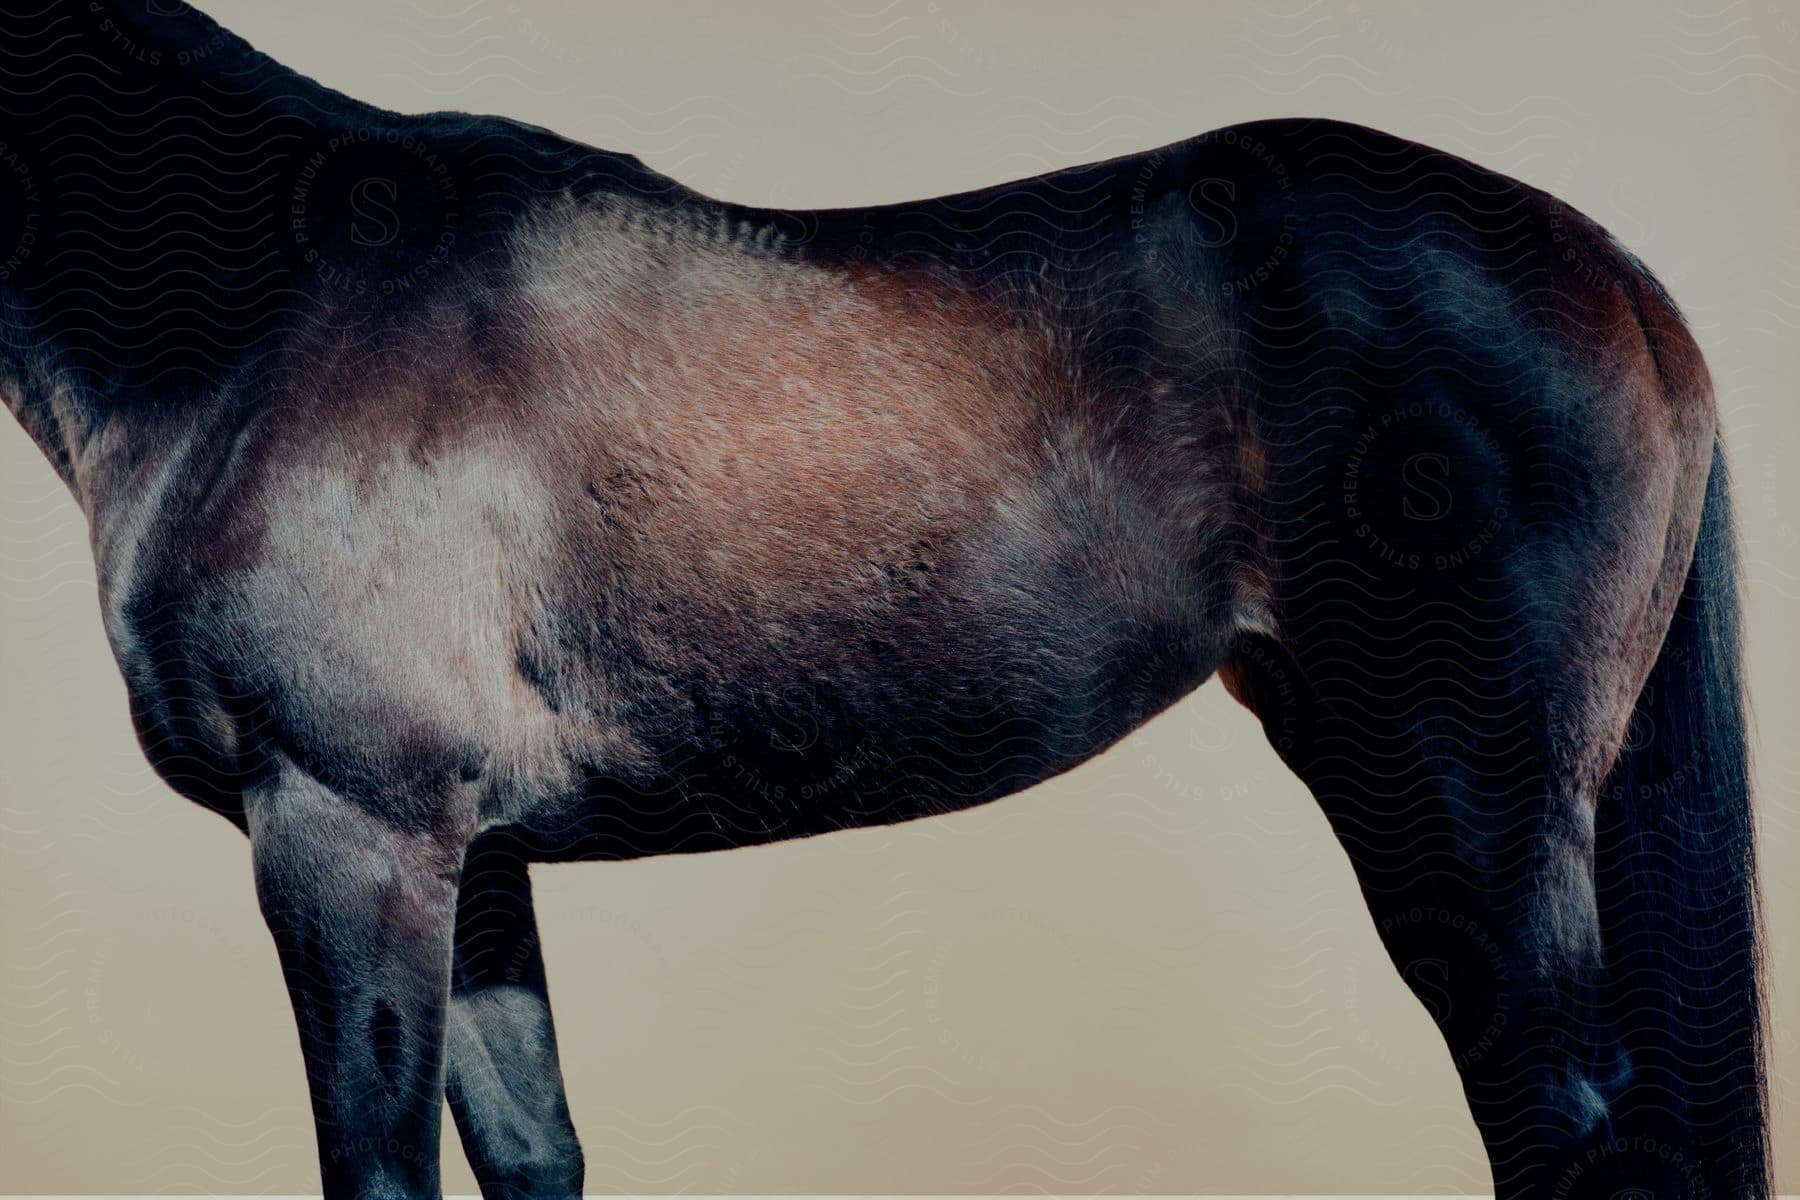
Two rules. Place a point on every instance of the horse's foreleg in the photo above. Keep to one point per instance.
(362, 913)
(505, 1085)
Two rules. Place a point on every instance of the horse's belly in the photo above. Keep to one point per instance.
(865, 729)
(778, 683)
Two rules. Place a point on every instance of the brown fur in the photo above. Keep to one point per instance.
(639, 525)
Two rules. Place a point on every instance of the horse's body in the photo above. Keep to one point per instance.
(578, 515)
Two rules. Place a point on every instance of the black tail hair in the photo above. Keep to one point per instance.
(1678, 896)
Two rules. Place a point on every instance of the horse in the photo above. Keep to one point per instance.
(463, 497)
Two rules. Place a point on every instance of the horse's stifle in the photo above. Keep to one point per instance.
(463, 497)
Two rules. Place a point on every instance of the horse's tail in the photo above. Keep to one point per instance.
(1678, 893)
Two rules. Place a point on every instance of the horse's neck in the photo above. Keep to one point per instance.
(143, 154)
(175, 208)
(105, 72)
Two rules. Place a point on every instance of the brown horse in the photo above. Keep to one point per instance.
(463, 497)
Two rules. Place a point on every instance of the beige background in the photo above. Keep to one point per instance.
(1150, 975)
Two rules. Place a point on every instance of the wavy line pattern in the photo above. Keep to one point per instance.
(1152, 976)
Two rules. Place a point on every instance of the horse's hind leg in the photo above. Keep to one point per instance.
(504, 1082)
(361, 911)
(1476, 863)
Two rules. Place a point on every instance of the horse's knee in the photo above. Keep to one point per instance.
(550, 1165)
(519, 1141)
(505, 1089)
(1588, 1094)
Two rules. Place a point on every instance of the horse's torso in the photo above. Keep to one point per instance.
(670, 525)
(673, 540)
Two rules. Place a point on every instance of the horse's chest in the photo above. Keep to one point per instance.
(358, 613)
